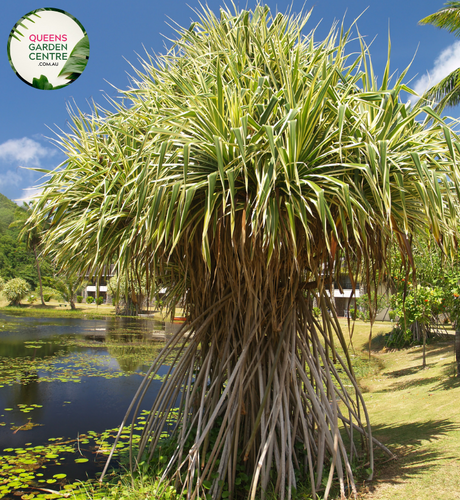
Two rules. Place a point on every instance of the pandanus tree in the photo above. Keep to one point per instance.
(245, 169)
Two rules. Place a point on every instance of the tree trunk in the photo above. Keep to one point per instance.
(39, 276)
(457, 350)
(424, 327)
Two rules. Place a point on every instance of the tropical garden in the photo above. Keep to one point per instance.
(244, 171)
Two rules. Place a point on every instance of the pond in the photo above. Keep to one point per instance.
(65, 385)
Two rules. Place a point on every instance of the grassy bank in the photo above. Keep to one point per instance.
(415, 412)
(54, 309)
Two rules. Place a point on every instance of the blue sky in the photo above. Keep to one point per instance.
(119, 30)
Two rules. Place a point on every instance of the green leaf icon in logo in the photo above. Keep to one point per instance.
(77, 60)
(42, 83)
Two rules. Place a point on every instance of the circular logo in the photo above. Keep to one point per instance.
(48, 48)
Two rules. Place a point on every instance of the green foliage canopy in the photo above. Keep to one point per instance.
(433, 287)
(16, 260)
(447, 91)
(291, 138)
(128, 293)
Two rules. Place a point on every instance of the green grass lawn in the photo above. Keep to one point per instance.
(55, 308)
(416, 413)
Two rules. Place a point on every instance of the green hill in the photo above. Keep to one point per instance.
(15, 260)
(9, 212)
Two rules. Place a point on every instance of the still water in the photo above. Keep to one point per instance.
(64, 378)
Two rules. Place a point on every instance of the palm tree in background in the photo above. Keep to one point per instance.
(446, 93)
(33, 239)
(245, 170)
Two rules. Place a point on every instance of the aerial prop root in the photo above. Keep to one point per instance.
(259, 403)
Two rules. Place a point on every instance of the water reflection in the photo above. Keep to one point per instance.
(19, 347)
(74, 375)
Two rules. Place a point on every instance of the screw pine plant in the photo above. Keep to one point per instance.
(15, 290)
(244, 170)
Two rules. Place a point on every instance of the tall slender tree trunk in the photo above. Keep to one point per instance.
(39, 276)
(424, 327)
(457, 350)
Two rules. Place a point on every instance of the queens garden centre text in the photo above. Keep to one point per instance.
(45, 51)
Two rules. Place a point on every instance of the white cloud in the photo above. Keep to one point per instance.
(28, 194)
(447, 61)
(25, 151)
(10, 178)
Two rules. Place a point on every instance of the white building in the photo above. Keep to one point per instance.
(92, 290)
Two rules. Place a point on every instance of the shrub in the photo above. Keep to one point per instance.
(15, 290)
(399, 338)
(31, 298)
(89, 300)
(79, 299)
(99, 300)
(51, 293)
(417, 304)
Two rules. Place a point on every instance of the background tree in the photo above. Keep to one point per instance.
(415, 306)
(17, 258)
(432, 271)
(32, 240)
(67, 284)
(248, 165)
(424, 298)
(454, 308)
(129, 293)
(369, 305)
(447, 91)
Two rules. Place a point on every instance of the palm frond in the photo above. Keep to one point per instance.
(446, 93)
(447, 18)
